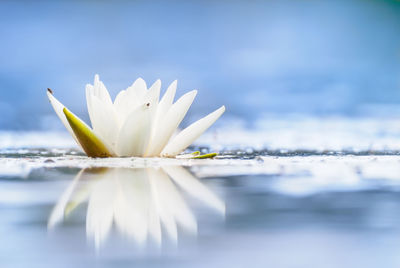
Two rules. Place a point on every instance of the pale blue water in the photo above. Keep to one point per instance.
(295, 216)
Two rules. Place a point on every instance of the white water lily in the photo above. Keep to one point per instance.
(137, 123)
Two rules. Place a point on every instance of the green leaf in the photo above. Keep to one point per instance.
(90, 143)
(204, 156)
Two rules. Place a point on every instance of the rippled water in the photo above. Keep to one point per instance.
(250, 206)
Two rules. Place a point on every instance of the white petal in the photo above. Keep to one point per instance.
(58, 108)
(153, 94)
(105, 121)
(103, 116)
(119, 101)
(134, 135)
(151, 100)
(187, 136)
(129, 99)
(95, 120)
(162, 109)
(194, 187)
(137, 89)
(101, 91)
(89, 95)
(168, 98)
(123, 106)
(170, 122)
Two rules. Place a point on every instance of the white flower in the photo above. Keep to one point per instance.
(136, 123)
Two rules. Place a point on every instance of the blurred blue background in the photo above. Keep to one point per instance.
(275, 58)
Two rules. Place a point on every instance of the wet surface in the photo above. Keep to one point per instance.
(61, 209)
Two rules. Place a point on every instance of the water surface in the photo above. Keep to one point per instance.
(61, 209)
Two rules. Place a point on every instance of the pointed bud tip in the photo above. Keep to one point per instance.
(173, 85)
(140, 81)
(96, 79)
(220, 110)
(157, 84)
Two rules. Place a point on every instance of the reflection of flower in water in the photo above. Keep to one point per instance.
(140, 202)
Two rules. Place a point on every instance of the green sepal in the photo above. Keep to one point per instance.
(90, 143)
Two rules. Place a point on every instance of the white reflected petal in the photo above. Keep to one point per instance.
(172, 200)
(132, 204)
(141, 202)
(99, 217)
(58, 212)
(158, 182)
(194, 187)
